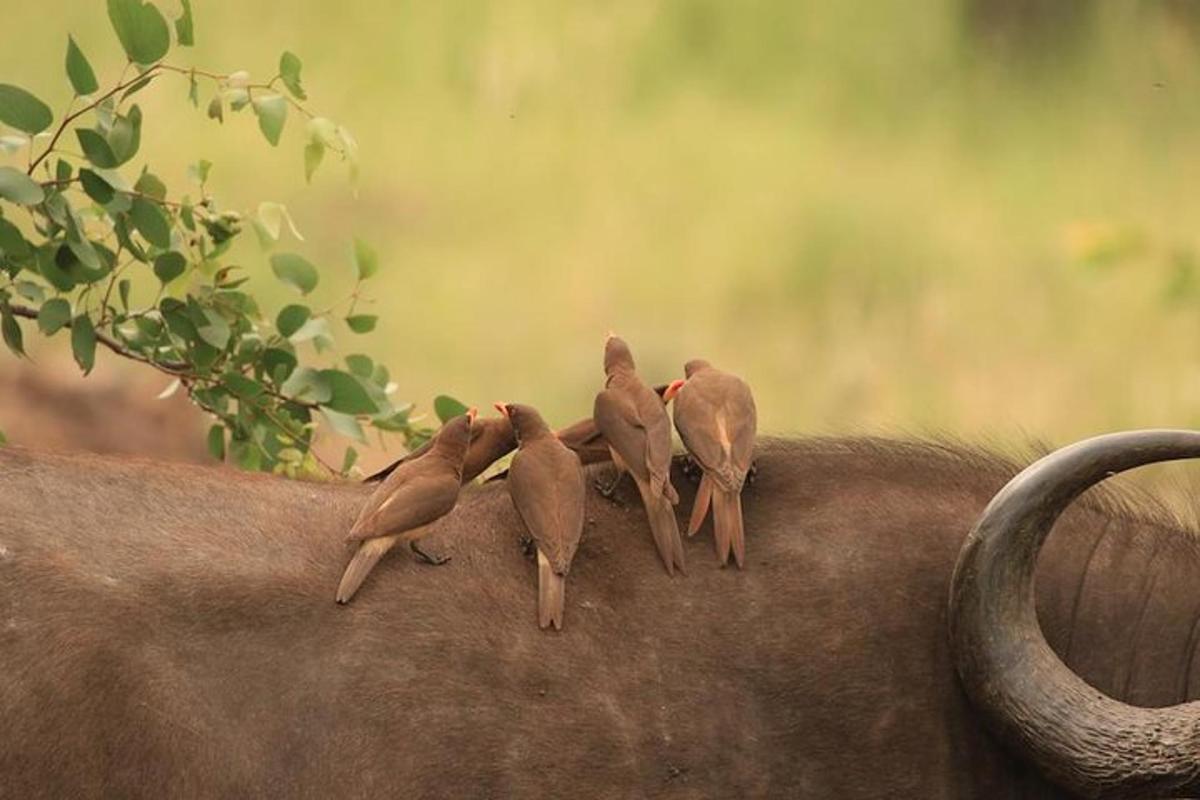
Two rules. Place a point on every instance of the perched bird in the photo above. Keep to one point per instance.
(546, 483)
(586, 440)
(634, 422)
(415, 495)
(491, 440)
(716, 418)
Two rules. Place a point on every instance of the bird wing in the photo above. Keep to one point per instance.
(658, 433)
(547, 486)
(710, 420)
(617, 417)
(390, 468)
(413, 496)
(579, 434)
(741, 417)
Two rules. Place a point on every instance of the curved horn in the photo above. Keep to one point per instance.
(1082, 739)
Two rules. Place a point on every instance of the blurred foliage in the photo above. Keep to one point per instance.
(77, 233)
(866, 209)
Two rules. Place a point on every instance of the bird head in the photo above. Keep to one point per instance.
(616, 354)
(526, 421)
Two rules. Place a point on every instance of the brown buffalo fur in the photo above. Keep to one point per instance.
(170, 631)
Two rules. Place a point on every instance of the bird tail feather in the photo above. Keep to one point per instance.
(551, 594)
(365, 559)
(700, 505)
(664, 526)
(728, 532)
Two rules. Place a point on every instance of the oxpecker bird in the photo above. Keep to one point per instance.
(491, 440)
(416, 494)
(634, 422)
(585, 439)
(547, 486)
(717, 420)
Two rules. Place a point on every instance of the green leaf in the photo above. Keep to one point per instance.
(360, 365)
(446, 407)
(349, 460)
(30, 291)
(141, 29)
(95, 187)
(272, 216)
(79, 71)
(243, 387)
(83, 342)
(137, 86)
(96, 148)
(278, 364)
(362, 323)
(198, 172)
(212, 328)
(289, 73)
(272, 113)
(380, 376)
(216, 109)
(169, 266)
(53, 315)
(149, 184)
(19, 187)
(184, 33)
(193, 90)
(292, 319)
(51, 270)
(151, 222)
(216, 442)
(10, 329)
(62, 171)
(344, 424)
(323, 130)
(3, 438)
(313, 153)
(123, 289)
(307, 384)
(295, 271)
(365, 259)
(22, 110)
(349, 396)
(12, 243)
(237, 97)
(126, 135)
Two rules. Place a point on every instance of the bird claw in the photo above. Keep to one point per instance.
(433, 561)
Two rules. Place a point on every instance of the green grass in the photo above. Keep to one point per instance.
(872, 217)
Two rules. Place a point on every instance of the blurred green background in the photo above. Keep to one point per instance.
(963, 216)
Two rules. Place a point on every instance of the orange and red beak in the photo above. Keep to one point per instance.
(672, 390)
(501, 407)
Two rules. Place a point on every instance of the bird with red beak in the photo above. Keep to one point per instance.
(717, 420)
(634, 422)
(408, 502)
(548, 489)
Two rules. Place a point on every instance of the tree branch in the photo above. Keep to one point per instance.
(176, 368)
(69, 118)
